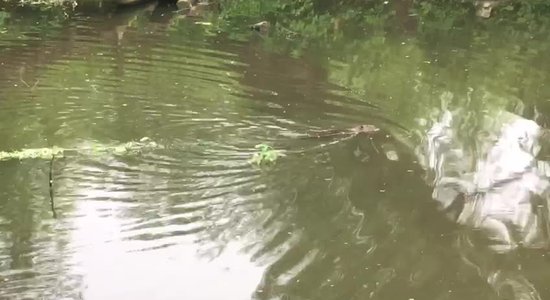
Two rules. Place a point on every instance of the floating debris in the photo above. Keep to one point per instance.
(265, 155)
(262, 27)
(57, 152)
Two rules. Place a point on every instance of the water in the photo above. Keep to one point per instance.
(192, 218)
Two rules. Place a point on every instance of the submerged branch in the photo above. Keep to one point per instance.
(52, 205)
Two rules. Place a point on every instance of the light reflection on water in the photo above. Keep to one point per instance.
(107, 262)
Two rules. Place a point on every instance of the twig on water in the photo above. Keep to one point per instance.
(51, 188)
(31, 87)
(21, 71)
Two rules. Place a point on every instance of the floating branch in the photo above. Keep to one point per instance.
(48, 153)
(52, 153)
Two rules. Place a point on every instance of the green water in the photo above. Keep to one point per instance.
(346, 218)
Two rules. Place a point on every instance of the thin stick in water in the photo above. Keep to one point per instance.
(51, 189)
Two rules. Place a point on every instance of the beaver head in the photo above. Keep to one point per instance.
(365, 128)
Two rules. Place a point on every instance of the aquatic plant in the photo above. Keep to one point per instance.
(265, 155)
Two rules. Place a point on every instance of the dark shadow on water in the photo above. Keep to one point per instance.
(375, 232)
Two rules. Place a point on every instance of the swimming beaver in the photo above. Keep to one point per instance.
(359, 129)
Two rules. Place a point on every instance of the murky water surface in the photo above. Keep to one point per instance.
(425, 208)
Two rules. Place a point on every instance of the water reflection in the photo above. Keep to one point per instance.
(107, 261)
(494, 183)
(344, 219)
(497, 181)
